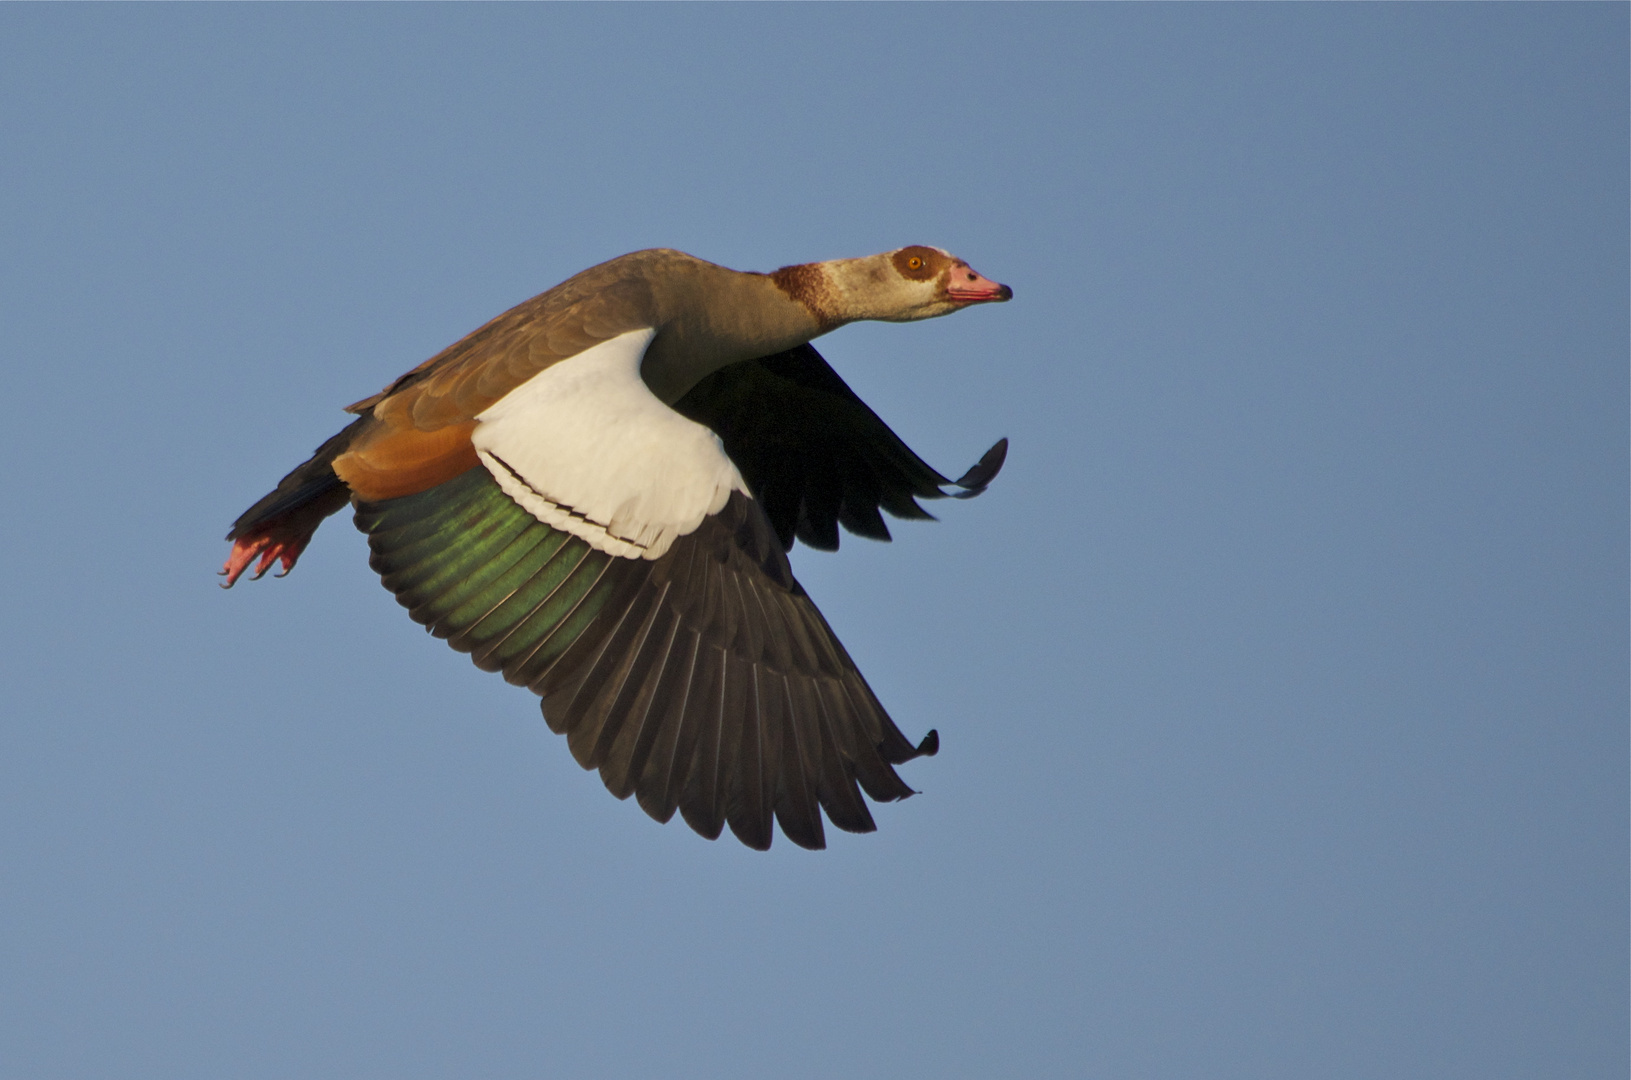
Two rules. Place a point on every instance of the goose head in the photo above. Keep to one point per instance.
(904, 285)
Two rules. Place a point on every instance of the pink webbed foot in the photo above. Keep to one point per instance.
(269, 547)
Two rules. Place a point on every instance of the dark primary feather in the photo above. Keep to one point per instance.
(814, 455)
(704, 681)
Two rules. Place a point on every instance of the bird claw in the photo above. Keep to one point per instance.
(268, 548)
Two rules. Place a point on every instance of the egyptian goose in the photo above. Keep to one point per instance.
(595, 494)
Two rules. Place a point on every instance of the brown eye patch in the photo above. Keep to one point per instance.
(918, 263)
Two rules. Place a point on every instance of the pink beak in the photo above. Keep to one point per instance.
(967, 286)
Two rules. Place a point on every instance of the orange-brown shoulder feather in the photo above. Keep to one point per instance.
(420, 436)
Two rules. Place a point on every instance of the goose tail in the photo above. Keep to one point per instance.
(280, 525)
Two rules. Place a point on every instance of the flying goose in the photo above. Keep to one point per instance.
(595, 494)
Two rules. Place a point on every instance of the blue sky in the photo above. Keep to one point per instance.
(1281, 677)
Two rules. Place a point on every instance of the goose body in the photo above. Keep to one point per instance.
(594, 494)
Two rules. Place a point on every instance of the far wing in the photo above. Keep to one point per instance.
(814, 455)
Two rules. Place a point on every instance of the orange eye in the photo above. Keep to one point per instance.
(915, 263)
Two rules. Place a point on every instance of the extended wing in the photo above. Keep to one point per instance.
(704, 680)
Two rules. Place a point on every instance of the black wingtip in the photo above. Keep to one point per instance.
(930, 746)
(984, 471)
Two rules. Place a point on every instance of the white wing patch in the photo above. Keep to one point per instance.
(585, 447)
